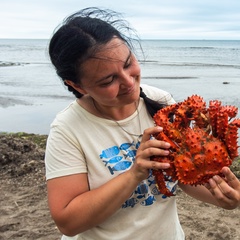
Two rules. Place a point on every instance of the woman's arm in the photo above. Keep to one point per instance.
(75, 208)
(220, 191)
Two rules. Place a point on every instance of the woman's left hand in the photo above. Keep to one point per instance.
(226, 190)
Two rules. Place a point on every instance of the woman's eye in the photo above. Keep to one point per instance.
(127, 64)
(104, 84)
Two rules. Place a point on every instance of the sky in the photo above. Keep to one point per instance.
(152, 19)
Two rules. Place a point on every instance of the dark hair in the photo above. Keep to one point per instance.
(79, 37)
(152, 106)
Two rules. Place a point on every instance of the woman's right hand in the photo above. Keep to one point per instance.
(149, 147)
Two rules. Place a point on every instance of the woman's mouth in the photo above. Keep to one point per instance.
(128, 91)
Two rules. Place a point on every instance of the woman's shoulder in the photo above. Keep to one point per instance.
(157, 94)
(67, 116)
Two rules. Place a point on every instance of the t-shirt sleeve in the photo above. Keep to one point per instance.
(63, 155)
(157, 94)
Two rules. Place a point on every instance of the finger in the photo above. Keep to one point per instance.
(227, 197)
(148, 152)
(221, 187)
(153, 143)
(232, 180)
(147, 134)
(153, 147)
(211, 185)
(159, 165)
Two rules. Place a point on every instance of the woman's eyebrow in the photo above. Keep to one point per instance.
(129, 56)
(105, 77)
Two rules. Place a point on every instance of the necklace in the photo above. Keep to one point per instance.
(139, 136)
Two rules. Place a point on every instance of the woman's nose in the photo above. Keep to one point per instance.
(127, 80)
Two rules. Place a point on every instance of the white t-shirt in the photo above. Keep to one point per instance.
(80, 142)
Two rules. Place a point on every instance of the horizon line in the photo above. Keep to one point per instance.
(141, 39)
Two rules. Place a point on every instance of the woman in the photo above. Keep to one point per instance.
(98, 153)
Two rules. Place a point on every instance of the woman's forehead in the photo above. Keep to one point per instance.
(111, 49)
(114, 51)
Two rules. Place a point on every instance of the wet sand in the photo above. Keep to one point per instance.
(23, 199)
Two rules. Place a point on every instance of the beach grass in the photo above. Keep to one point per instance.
(41, 140)
(38, 139)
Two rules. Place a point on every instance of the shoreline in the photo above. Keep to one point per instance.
(6, 102)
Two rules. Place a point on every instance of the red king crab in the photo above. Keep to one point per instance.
(202, 139)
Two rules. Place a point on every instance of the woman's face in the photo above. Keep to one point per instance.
(112, 77)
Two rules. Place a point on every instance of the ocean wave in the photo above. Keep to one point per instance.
(54, 96)
(202, 47)
(36, 95)
(8, 102)
(168, 77)
(210, 48)
(9, 64)
(12, 64)
(188, 64)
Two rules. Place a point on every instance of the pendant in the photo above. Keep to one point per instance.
(139, 139)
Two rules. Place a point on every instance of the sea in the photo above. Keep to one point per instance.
(31, 94)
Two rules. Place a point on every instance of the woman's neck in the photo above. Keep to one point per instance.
(114, 113)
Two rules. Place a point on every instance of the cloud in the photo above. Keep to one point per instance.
(188, 19)
(152, 19)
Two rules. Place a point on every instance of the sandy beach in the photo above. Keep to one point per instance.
(23, 199)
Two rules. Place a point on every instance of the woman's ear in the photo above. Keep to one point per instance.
(75, 86)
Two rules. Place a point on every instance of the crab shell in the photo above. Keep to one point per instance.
(203, 141)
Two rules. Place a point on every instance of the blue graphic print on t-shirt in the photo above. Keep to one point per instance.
(119, 159)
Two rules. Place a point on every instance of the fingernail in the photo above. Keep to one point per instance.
(211, 182)
(167, 145)
(166, 152)
(207, 185)
(166, 165)
(215, 178)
